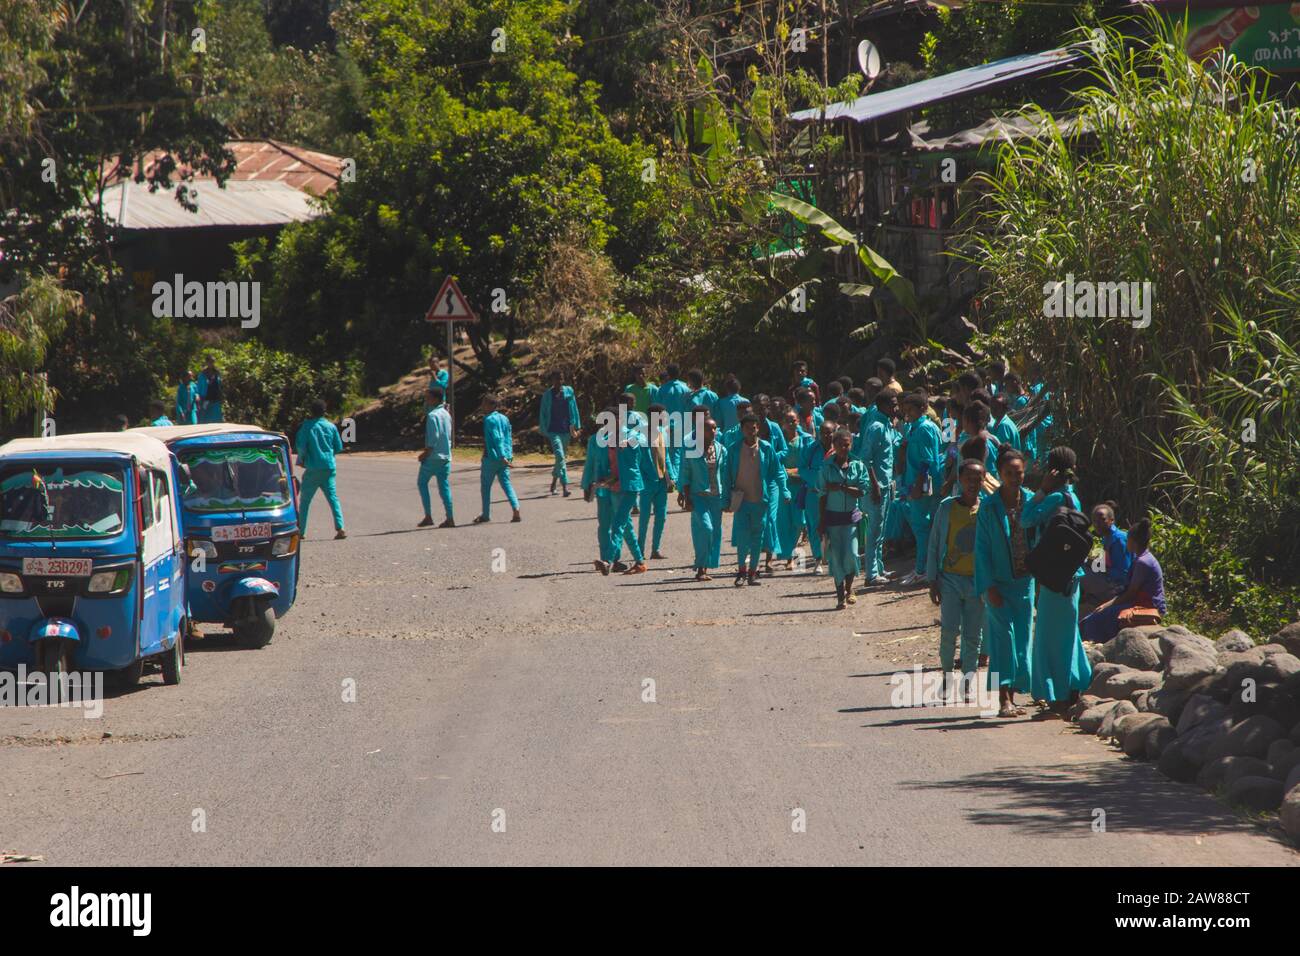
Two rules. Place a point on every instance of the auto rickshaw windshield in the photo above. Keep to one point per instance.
(235, 479)
(55, 501)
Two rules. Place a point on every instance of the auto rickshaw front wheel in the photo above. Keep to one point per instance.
(173, 661)
(258, 628)
(53, 660)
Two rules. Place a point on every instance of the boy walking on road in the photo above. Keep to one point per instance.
(498, 453)
(317, 442)
(435, 460)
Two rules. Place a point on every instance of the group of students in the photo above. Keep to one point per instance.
(198, 399)
(845, 472)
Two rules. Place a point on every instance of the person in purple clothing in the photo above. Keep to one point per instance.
(1145, 589)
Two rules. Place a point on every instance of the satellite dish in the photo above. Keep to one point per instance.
(869, 59)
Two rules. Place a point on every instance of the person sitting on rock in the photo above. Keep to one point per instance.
(1143, 599)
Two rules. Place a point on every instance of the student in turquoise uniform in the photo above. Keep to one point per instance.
(701, 494)
(769, 431)
(1113, 577)
(1059, 669)
(1001, 425)
(643, 392)
(840, 485)
(435, 459)
(316, 444)
(595, 486)
(833, 392)
(950, 569)
(557, 420)
(158, 414)
(626, 483)
(733, 436)
(498, 455)
(800, 379)
(187, 400)
(675, 396)
(438, 375)
(812, 453)
(753, 476)
(726, 410)
(810, 414)
(701, 396)
(922, 475)
(877, 453)
(211, 393)
(975, 417)
(1003, 582)
(658, 478)
(790, 511)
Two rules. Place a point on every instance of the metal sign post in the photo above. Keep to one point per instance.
(450, 306)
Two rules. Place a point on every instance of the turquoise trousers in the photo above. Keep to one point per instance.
(429, 468)
(314, 479)
(493, 470)
(652, 498)
(960, 612)
(621, 527)
(873, 554)
(920, 515)
(609, 548)
(747, 527)
(558, 449)
(811, 515)
(706, 530)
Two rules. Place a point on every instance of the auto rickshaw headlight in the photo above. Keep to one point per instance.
(202, 546)
(109, 582)
(284, 545)
(10, 583)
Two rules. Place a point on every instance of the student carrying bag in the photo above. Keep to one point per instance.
(1062, 549)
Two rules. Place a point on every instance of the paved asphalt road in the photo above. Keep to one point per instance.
(516, 696)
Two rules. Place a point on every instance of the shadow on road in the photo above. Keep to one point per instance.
(1062, 799)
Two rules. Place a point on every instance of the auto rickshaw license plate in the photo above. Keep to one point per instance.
(58, 567)
(242, 532)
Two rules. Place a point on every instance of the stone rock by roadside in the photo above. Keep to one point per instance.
(1176, 636)
(1289, 812)
(1198, 710)
(1134, 648)
(1256, 793)
(1196, 743)
(1282, 766)
(1176, 765)
(1234, 641)
(1249, 738)
(1288, 637)
(1124, 684)
(1100, 674)
(1158, 736)
(1122, 709)
(1129, 732)
(1085, 703)
(1188, 662)
(1090, 720)
(1223, 771)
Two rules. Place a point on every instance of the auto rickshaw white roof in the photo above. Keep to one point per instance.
(170, 433)
(146, 449)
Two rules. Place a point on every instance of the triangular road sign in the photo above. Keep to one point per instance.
(450, 305)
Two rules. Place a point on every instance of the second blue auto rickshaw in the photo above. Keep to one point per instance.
(239, 508)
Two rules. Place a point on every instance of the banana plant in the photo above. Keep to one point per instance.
(816, 262)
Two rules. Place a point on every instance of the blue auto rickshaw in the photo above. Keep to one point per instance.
(92, 560)
(240, 514)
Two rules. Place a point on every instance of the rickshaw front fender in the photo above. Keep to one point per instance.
(53, 627)
(253, 587)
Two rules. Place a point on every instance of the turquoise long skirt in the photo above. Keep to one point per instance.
(1059, 664)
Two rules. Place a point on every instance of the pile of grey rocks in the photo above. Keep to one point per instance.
(1222, 714)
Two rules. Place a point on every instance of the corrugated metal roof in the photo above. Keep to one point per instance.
(240, 203)
(263, 160)
(950, 86)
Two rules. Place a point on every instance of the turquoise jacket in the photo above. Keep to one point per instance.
(704, 398)
(317, 442)
(442, 379)
(674, 396)
(437, 434)
(544, 412)
(811, 456)
(936, 553)
(498, 440)
(646, 463)
(724, 412)
(596, 467)
(187, 402)
(853, 473)
(1007, 432)
(924, 453)
(993, 542)
(990, 454)
(629, 461)
(770, 473)
(878, 447)
(695, 472)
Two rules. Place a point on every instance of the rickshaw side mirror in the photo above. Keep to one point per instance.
(141, 476)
